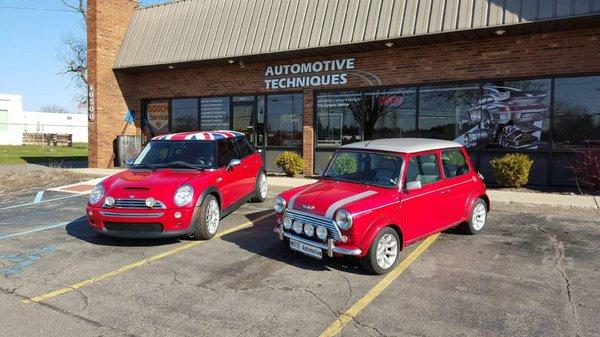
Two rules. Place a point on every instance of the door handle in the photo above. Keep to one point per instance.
(447, 191)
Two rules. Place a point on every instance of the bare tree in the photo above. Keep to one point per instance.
(54, 108)
(73, 52)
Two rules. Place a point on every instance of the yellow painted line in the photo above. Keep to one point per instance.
(140, 263)
(346, 317)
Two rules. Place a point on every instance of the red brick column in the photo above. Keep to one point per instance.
(107, 23)
(308, 131)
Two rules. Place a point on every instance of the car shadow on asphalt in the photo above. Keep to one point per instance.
(260, 239)
(80, 229)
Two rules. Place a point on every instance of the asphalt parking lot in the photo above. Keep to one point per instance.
(535, 271)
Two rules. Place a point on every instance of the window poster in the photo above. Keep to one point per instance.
(157, 117)
(214, 113)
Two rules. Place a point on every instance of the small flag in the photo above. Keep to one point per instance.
(130, 116)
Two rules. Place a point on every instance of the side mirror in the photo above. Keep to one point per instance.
(233, 163)
(413, 185)
(129, 162)
(259, 150)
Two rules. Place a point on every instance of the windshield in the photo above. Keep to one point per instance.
(177, 154)
(365, 167)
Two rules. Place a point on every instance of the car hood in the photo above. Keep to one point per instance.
(142, 183)
(326, 196)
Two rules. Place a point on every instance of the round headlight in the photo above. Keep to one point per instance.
(109, 201)
(183, 195)
(322, 233)
(309, 230)
(279, 204)
(287, 223)
(298, 228)
(96, 194)
(343, 219)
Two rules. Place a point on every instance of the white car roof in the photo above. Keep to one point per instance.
(404, 145)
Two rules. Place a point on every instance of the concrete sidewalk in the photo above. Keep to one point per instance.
(548, 199)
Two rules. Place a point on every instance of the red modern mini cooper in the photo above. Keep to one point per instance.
(179, 184)
(379, 196)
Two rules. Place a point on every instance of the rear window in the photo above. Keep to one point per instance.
(454, 163)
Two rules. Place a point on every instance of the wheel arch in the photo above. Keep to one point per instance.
(210, 190)
(375, 228)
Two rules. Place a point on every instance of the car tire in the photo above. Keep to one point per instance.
(477, 218)
(385, 247)
(262, 188)
(206, 223)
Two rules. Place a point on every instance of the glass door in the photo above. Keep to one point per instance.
(247, 116)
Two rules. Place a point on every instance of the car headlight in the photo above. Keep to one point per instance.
(287, 223)
(343, 219)
(279, 204)
(96, 194)
(309, 230)
(298, 227)
(183, 195)
(322, 232)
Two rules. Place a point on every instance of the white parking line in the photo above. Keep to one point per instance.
(8, 236)
(42, 202)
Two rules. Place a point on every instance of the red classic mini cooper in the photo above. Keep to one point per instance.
(379, 196)
(179, 184)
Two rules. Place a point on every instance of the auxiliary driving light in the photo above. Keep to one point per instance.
(109, 201)
(150, 202)
(322, 232)
(177, 215)
(287, 223)
(309, 230)
(298, 227)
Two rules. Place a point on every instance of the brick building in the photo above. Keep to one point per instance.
(308, 76)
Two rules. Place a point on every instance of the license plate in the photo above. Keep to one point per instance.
(309, 250)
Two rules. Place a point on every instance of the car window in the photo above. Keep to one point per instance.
(423, 168)
(454, 163)
(227, 152)
(244, 148)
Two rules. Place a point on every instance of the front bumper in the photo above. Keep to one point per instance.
(330, 247)
(126, 223)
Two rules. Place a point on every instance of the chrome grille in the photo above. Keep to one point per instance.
(332, 231)
(136, 203)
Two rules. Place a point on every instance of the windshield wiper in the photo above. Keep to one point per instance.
(180, 164)
(142, 165)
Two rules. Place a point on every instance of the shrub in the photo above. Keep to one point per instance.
(512, 170)
(586, 168)
(345, 163)
(290, 162)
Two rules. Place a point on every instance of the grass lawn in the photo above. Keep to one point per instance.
(22, 154)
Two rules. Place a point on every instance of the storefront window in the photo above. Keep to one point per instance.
(214, 113)
(184, 115)
(449, 112)
(577, 112)
(284, 120)
(390, 113)
(338, 118)
(156, 120)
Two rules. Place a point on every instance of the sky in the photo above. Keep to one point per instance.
(29, 44)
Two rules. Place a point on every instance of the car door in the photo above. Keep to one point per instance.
(422, 207)
(229, 179)
(249, 165)
(458, 183)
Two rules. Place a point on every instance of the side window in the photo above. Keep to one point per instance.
(243, 147)
(226, 152)
(454, 163)
(423, 168)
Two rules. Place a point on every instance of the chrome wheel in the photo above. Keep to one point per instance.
(478, 216)
(212, 216)
(387, 251)
(263, 186)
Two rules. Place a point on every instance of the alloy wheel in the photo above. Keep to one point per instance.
(387, 251)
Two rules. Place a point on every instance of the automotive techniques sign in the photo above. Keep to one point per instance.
(309, 74)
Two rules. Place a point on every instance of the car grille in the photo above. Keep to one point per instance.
(134, 227)
(136, 203)
(332, 231)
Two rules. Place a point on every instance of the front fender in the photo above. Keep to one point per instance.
(376, 226)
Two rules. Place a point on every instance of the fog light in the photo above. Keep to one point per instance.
(287, 223)
(90, 213)
(177, 215)
(322, 232)
(298, 227)
(344, 238)
(109, 201)
(309, 230)
(150, 202)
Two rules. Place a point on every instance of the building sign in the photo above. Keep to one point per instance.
(310, 74)
(158, 116)
(214, 113)
(91, 103)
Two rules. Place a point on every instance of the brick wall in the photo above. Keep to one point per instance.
(566, 52)
(107, 22)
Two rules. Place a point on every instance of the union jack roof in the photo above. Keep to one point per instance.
(200, 135)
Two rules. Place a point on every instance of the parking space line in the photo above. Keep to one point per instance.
(42, 201)
(137, 264)
(346, 317)
(8, 236)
